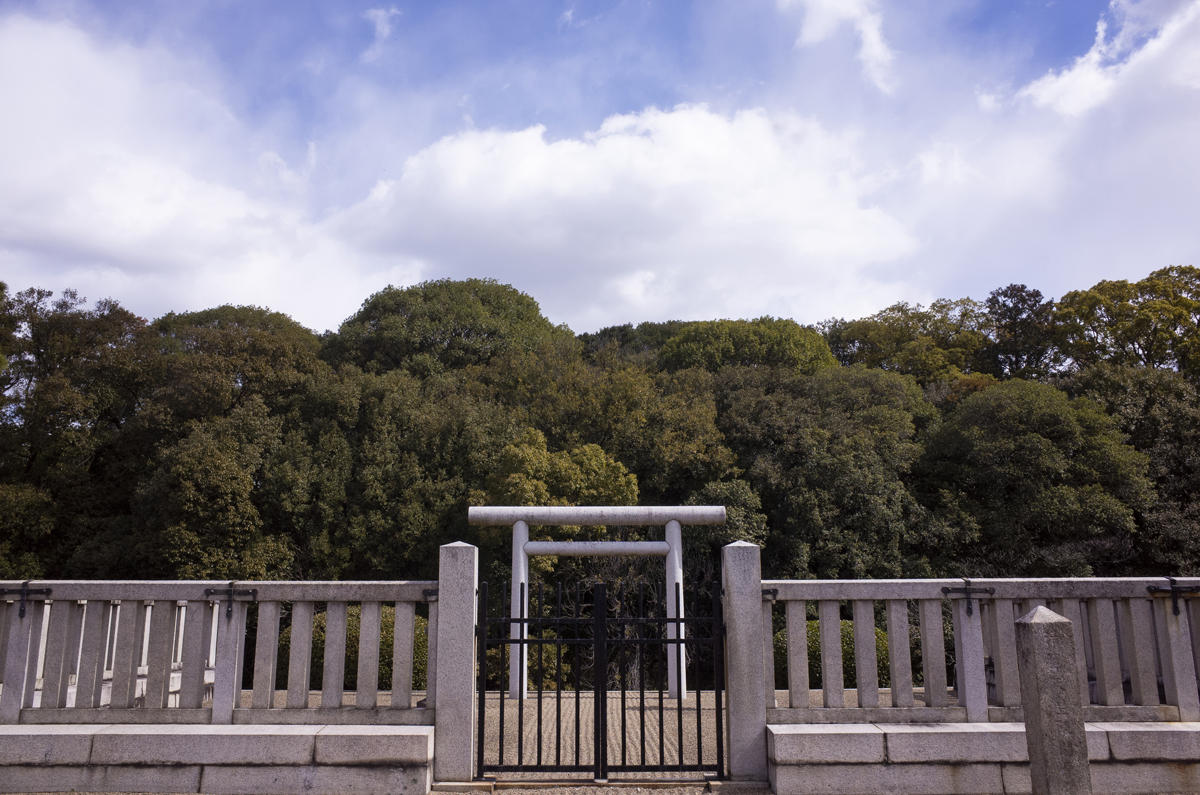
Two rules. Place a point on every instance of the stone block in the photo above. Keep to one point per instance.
(98, 778)
(1016, 778)
(1145, 778)
(46, 745)
(955, 742)
(1054, 729)
(1153, 742)
(374, 745)
(210, 745)
(342, 779)
(745, 717)
(817, 744)
(458, 577)
(971, 779)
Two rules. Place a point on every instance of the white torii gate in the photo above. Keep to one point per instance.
(670, 517)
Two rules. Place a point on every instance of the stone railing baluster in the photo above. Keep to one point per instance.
(334, 670)
(830, 629)
(933, 652)
(1102, 626)
(369, 626)
(158, 657)
(797, 653)
(866, 656)
(131, 632)
(266, 652)
(56, 669)
(197, 627)
(899, 659)
(402, 655)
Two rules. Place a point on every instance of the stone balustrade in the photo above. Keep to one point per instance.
(1135, 648)
(174, 652)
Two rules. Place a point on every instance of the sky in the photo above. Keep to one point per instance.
(619, 161)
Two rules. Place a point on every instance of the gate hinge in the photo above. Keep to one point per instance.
(430, 594)
(770, 594)
(1175, 591)
(25, 591)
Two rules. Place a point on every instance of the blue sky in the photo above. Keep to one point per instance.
(619, 161)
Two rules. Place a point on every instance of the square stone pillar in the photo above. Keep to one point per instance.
(1054, 731)
(454, 718)
(746, 713)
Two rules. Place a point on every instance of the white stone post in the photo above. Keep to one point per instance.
(454, 717)
(1054, 731)
(972, 676)
(746, 713)
(518, 654)
(676, 674)
(20, 660)
(227, 676)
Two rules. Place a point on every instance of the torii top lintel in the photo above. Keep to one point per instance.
(600, 515)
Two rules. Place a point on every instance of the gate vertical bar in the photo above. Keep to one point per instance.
(482, 630)
(678, 655)
(600, 703)
(641, 663)
(521, 662)
(558, 683)
(719, 673)
(541, 668)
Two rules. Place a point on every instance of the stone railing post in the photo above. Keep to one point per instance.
(968, 646)
(24, 634)
(746, 715)
(1054, 731)
(454, 718)
(227, 673)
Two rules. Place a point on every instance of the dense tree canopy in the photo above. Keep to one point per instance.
(1010, 436)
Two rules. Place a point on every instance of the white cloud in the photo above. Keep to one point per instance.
(1092, 78)
(381, 19)
(822, 18)
(684, 212)
(126, 174)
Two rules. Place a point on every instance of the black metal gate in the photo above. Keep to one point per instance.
(613, 652)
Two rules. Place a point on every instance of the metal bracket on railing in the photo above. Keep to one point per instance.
(230, 592)
(25, 591)
(968, 590)
(430, 594)
(770, 594)
(1175, 591)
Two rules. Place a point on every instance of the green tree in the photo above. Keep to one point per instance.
(765, 342)
(439, 325)
(1159, 412)
(1023, 333)
(932, 344)
(829, 455)
(1046, 483)
(1154, 322)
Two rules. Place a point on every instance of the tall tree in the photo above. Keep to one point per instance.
(1154, 322)
(439, 325)
(1159, 411)
(1047, 484)
(1022, 333)
(765, 342)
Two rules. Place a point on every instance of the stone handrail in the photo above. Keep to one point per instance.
(173, 651)
(1136, 648)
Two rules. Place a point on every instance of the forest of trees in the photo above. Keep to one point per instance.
(1016, 436)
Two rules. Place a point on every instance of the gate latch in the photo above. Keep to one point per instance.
(1175, 591)
(968, 590)
(25, 591)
